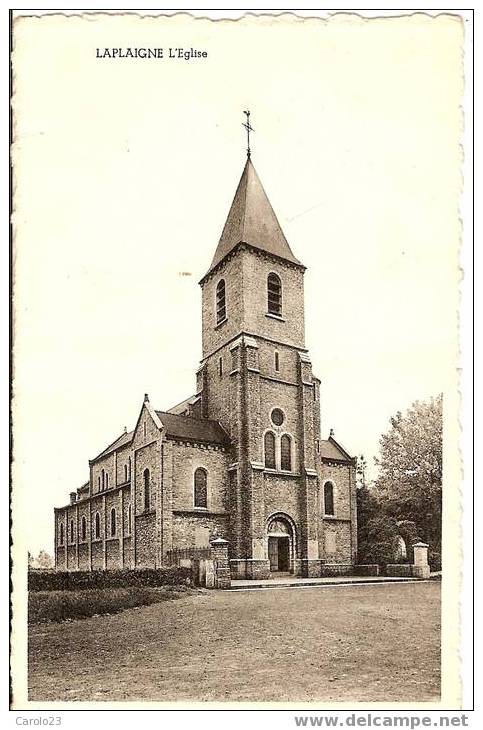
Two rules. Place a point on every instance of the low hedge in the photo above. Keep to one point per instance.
(69, 605)
(98, 579)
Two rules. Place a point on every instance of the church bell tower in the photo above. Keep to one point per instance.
(256, 379)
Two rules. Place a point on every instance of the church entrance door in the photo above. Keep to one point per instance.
(279, 546)
(279, 554)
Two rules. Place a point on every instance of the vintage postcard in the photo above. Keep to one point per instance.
(236, 471)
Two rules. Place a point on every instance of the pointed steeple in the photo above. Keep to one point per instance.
(252, 220)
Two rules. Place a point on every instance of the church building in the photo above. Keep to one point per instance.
(243, 457)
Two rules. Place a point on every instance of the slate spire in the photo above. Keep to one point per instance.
(252, 220)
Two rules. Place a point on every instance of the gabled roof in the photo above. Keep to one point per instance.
(330, 450)
(122, 440)
(193, 429)
(181, 408)
(252, 220)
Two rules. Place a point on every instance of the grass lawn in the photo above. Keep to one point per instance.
(355, 642)
(61, 605)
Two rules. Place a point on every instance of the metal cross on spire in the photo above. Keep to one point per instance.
(249, 129)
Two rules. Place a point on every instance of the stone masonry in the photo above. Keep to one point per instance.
(242, 460)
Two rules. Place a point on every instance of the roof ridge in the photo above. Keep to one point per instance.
(109, 446)
(183, 415)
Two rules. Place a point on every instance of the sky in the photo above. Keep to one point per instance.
(125, 170)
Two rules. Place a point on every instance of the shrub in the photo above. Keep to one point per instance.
(100, 579)
(434, 559)
(61, 605)
(376, 540)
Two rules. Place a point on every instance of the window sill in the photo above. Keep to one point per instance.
(199, 511)
(282, 472)
(275, 316)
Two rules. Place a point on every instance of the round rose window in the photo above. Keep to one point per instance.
(277, 417)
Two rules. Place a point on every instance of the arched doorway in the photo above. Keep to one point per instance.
(280, 544)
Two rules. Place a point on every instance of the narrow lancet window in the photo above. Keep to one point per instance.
(328, 498)
(146, 490)
(269, 448)
(286, 452)
(200, 488)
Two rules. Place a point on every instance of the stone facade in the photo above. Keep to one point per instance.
(243, 459)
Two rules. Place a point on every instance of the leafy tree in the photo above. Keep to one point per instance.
(409, 484)
(44, 560)
(376, 531)
(30, 559)
(361, 471)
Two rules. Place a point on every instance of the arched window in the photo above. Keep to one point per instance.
(220, 301)
(113, 522)
(103, 477)
(146, 489)
(200, 488)
(83, 528)
(107, 481)
(269, 448)
(328, 498)
(274, 292)
(97, 526)
(61, 534)
(125, 472)
(129, 467)
(72, 530)
(99, 483)
(129, 513)
(286, 452)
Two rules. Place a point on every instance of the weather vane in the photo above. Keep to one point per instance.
(249, 129)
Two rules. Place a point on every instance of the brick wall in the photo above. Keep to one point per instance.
(255, 271)
(186, 459)
(148, 458)
(339, 475)
(192, 530)
(145, 541)
(214, 336)
(108, 465)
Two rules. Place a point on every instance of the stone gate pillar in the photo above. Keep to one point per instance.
(420, 567)
(219, 556)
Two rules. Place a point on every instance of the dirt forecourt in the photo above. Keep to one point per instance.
(367, 643)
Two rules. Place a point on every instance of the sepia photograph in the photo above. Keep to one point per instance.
(236, 468)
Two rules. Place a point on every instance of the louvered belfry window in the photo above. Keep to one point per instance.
(274, 292)
(220, 301)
